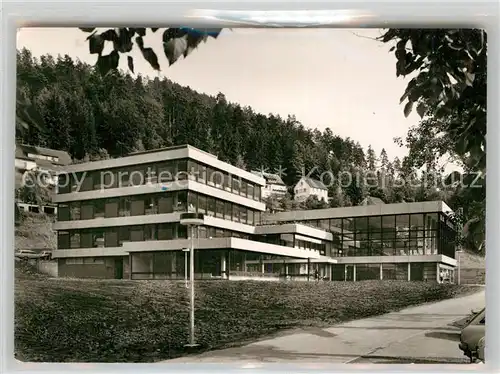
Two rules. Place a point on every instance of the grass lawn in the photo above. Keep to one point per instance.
(130, 321)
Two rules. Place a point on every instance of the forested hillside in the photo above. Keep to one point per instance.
(96, 117)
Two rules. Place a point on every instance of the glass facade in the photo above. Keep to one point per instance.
(390, 235)
(115, 236)
(219, 263)
(418, 271)
(395, 271)
(160, 172)
(158, 203)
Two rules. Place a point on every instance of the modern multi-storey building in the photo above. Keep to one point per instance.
(123, 218)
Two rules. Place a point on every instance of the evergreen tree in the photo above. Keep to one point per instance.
(95, 117)
(371, 159)
(384, 160)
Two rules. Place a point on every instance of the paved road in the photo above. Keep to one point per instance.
(422, 334)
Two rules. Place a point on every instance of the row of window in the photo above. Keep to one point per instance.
(161, 203)
(429, 248)
(430, 242)
(392, 235)
(84, 261)
(399, 223)
(419, 271)
(162, 172)
(171, 264)
(115, 236)
(387, 234)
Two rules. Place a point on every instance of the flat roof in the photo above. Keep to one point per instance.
(165, 154)
(360, 211)
(182, 146)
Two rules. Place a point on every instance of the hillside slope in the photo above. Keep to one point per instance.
(35, 232)
(115, 321)
(472, 261)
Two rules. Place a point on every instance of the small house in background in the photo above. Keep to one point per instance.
(35, 159)
(274, 185)
(307, 187)
(46, 160)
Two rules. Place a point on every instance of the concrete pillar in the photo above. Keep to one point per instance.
(354, 273)
(173, 257)
(130, 266)
(437, 273)
(409, 272)
(263, 268)
(381, 273)
(308, 269)
(223, 266)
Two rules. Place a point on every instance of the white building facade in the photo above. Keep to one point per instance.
(307, 187)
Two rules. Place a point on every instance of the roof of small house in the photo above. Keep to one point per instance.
(22, 151)
(270, 178)
(314, 183)
(371, 200)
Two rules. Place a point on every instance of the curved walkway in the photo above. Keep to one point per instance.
(422, 334)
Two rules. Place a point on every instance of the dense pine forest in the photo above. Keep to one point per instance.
(95, 117)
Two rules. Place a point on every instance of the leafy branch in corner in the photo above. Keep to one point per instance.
(448, 89)
(449, 83)
(177, 42)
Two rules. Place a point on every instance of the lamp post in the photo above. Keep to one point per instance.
(186, 250)
(408, 265)
(191, 278)
(191, 220)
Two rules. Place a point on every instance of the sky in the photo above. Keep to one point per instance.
(337, 78)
